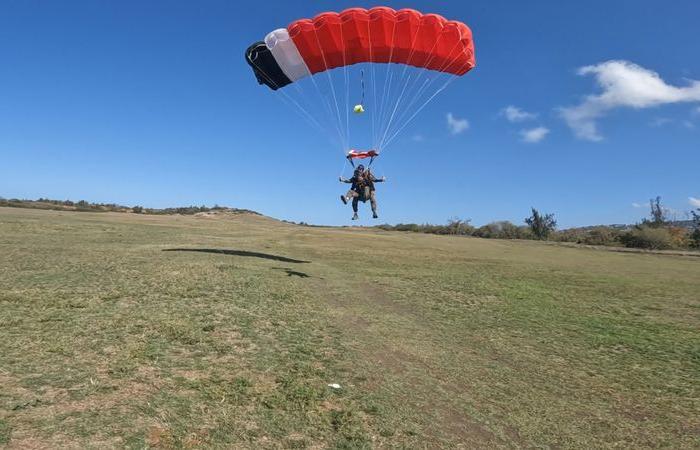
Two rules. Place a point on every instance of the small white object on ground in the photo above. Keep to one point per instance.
(334, 386)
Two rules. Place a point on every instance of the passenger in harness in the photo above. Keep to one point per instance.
(361, 189)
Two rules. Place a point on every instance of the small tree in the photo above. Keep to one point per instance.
(137, 209)
(657, 215)
(458, 226)
(695, 234)
(541, 225)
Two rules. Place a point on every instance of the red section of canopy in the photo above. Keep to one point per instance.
(384, 35)
(357, 154)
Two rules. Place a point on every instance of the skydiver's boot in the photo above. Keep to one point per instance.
(374, 215)
(344, 200)
(355, 216)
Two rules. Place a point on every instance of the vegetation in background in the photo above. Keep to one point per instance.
(541, 225)
(658, 215)
(85, 206)
(653, 233)
(695, 234)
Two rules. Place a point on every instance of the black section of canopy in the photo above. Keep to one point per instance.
(265, 67)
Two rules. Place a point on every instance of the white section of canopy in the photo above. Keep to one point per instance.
(286, 54)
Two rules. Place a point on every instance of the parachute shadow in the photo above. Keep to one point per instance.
(238, 253)
(292, 273)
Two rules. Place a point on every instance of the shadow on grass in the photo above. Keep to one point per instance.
(292, 273)
(238, 253)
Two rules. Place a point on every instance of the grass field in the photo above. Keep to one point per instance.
(121, 330)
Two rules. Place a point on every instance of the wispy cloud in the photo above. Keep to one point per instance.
(637, 205)
(624, 85)
(695, 202)
(515, 114)
(455, 125)
(534, 135)
(660, 121)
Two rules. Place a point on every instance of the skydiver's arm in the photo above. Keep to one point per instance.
(347, 180)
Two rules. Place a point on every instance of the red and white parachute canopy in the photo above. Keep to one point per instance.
(333, 40)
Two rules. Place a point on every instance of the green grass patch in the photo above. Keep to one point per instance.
(107, 340)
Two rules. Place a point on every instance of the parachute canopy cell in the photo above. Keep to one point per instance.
(358, 35)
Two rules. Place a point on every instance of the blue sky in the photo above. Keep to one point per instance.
(151, 103)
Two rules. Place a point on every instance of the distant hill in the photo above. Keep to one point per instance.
(84, 206)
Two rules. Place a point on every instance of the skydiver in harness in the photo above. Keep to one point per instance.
(361, 189)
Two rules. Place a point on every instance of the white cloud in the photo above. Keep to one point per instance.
(515, 114)
(455, 125)
(534, 135)
(637, 205)
(624, 85)
(694, 202)
(660, 121)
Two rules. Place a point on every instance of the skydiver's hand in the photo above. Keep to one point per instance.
(340, 179)
(383, 178)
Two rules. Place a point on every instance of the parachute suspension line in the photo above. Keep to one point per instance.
(442, 88)
(393, 113)
(335, 138)
(429, 78)
(362, 86)
(329, 109)
(373, 117)
(294, 105)
(407, 80)
(325, 103)
(330, 83)
(342, 169)
(346, 76)
(387, 82)
(418, 96)
(403, 73)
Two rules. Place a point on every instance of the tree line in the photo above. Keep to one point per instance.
(656, 232)
(85, 206)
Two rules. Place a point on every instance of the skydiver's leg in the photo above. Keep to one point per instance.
(373, 202)
(350, 194)
(355, 201)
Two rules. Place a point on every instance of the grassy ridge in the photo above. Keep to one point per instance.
(107, 340)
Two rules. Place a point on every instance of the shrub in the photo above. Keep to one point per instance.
(648, 238)
(695, 233)
(502, 230)
(601, 236)
(459, 226)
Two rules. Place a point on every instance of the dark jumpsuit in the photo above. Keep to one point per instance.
(362, 189)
